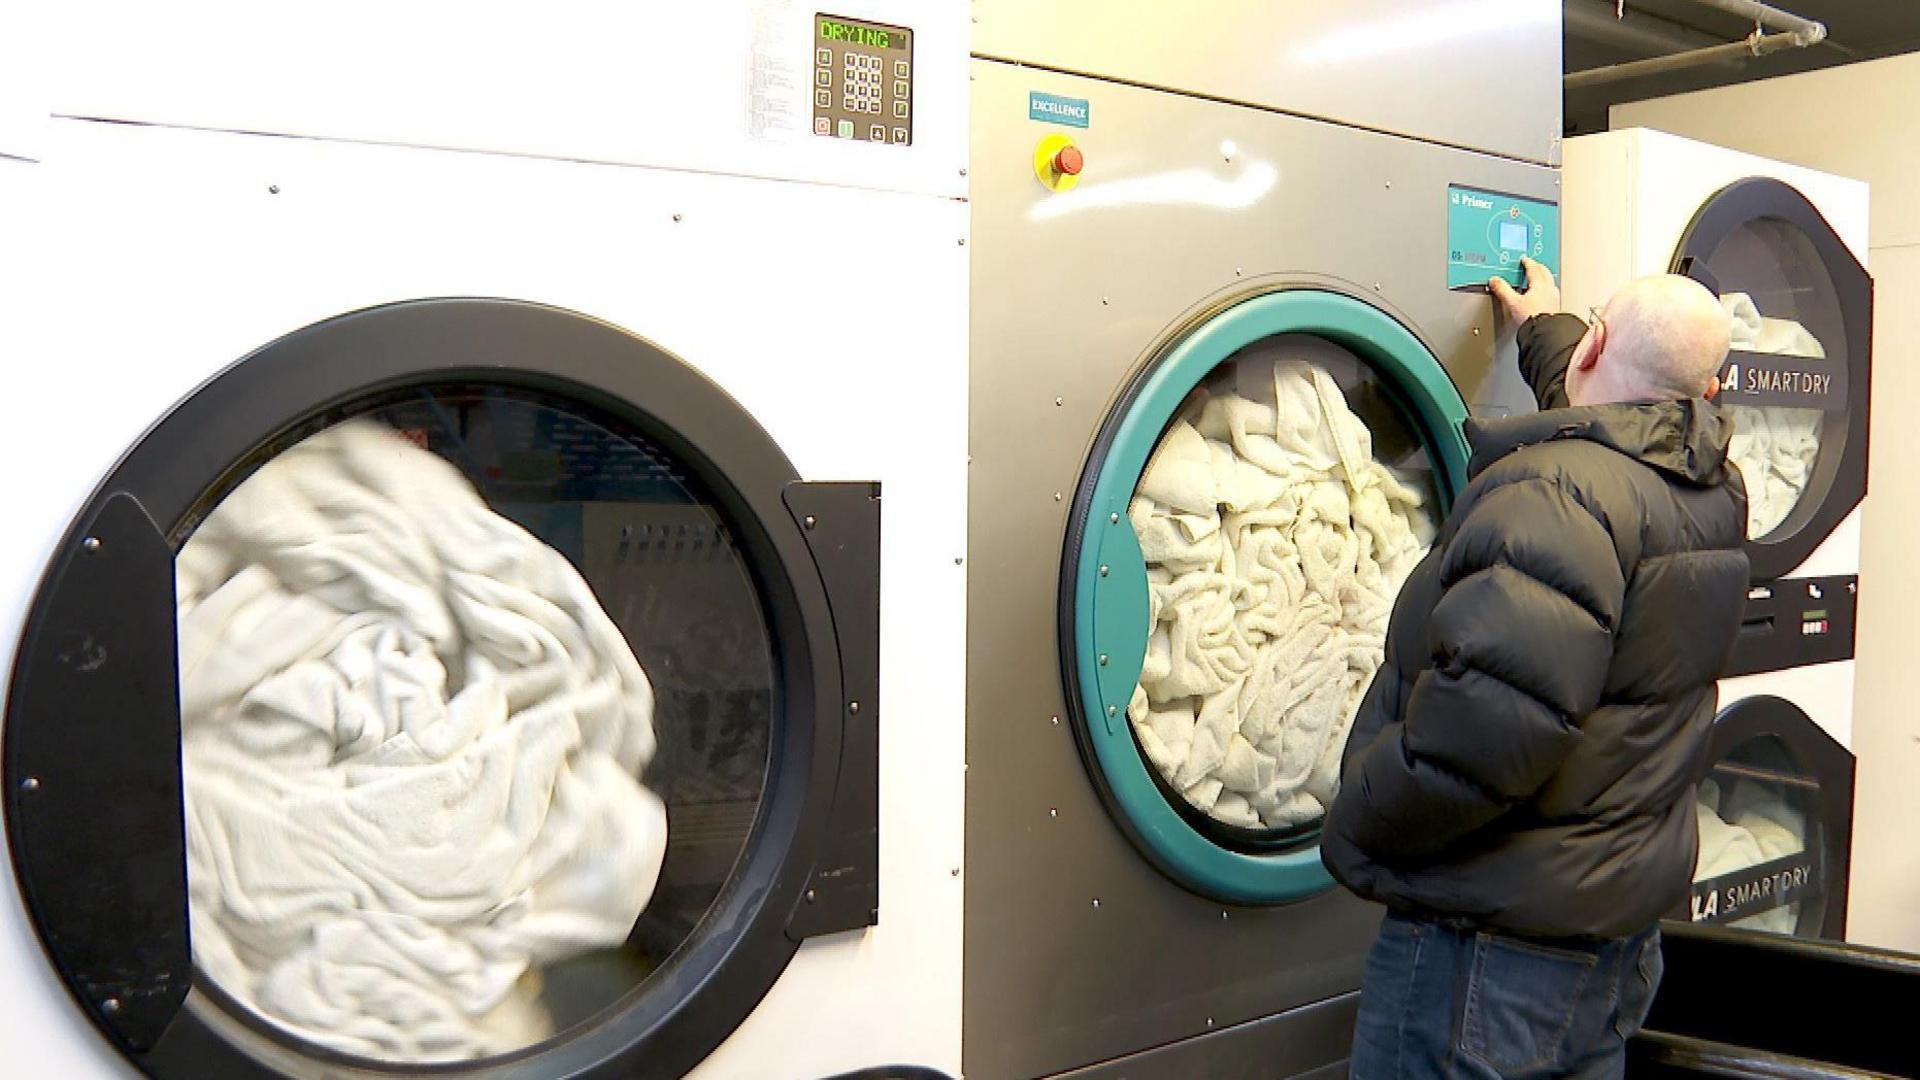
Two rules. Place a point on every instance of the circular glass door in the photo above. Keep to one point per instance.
(1773, 812)
(1242, 530)
(492, 663)
(1799, 312)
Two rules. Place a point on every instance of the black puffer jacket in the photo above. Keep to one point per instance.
(1525, 759)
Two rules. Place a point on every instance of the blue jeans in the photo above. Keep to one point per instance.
(1440, 1002)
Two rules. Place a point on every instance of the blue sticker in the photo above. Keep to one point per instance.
(1054, 109)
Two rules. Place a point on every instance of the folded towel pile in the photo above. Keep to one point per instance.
(1745, 826)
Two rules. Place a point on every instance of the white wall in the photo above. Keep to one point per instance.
(1859, 121)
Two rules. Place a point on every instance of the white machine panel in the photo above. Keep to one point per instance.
(713, 87)
(197, 247)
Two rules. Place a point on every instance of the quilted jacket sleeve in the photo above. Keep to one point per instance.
(1521, 640)
(1546, 351)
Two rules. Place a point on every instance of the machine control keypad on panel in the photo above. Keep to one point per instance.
(1489, 232)
(863, 78)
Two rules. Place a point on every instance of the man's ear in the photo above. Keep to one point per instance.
(1587, 353)
(1713, 387)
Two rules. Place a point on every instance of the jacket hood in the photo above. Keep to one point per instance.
(1684, 439)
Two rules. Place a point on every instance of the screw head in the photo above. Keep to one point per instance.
(1105, 570)
(1113, 710)
(963, 241)
(853, 706)
(812, 896)
(1103, 659)
(111, 1005)
(1053, 811)
(91, 543)
(810, 521)
(676, 217)
(963, 172)
(1096, 901)
(1056, 719)
(1059, 401)
(32, 783)
(273, 189)
(1113, 519)
(1104, 302)
(1057, 496)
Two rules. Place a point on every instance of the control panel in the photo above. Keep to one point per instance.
(1489, 233)
(862, 80)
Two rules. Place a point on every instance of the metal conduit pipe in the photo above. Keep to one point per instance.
(1792, 32)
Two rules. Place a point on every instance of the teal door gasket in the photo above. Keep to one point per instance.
(1109, 605)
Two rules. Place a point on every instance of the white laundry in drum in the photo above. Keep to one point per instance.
(1744, 826)
(411, 743)
(1275, 544)
(1775, 446)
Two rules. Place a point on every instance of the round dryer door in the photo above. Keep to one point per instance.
(446, 683)
(1800, 309)
(1775, 816)
(1245, 521)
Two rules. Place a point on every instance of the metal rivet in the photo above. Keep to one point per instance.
(810, 522)
(1476, 331)
(111, 1005)
(963, 241)
(1105, 570)
(1238, 272)
(91, 543)
(1053, 811)
(1096, 901)
(963, 172)
(1209, 1021)
(1056, 719)
(1059, 401)
(273, 189)
(676, 217)
(956, 562)
(1376, 286)
(955, 872)
(1223, 915)
(1113, 519)
(32, 783)
(1103, 659)
(1389, 185)
(853, 706)
(812, 896)
(1057, 496)
(1104, 302)
(1113, 710)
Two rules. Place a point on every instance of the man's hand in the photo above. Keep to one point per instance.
(1541, 298)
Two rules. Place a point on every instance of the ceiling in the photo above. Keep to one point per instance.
(1856, 30)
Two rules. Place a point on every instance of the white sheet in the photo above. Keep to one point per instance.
(1746, 825)
(1774, 446)
(1275, 544)
(411, 740)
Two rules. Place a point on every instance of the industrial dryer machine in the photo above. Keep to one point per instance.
(1222, 353)
(1784, 247)
(444, 617)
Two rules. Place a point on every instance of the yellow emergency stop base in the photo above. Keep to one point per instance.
(1052, 178)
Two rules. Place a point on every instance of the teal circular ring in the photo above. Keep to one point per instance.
(1110, 608)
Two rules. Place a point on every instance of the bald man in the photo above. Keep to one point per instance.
(1519, 786)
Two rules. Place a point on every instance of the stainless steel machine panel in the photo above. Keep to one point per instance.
(1481, 74)
(1078, 950)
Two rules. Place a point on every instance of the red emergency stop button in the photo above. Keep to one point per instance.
(1069, 161)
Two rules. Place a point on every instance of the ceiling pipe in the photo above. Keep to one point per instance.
(1643, 35)
(1791, 32)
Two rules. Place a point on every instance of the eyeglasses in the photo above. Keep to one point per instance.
(1594, 318)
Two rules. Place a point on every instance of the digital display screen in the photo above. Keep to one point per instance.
(872, 37)
(1513, 235)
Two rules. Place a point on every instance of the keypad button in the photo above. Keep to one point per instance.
(823, 77)
(823, 57)
(823, 98)
(899, 88)
(877, 133)
(899, 110)
(900, 135)
(822, 126)
(846, 129)
(900, 68)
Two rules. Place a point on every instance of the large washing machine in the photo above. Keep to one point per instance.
(484, 589)
(1785, 250)
(1229, 314)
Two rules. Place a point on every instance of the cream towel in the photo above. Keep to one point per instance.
(1774, 446)
(411, 742)
(1275, 545)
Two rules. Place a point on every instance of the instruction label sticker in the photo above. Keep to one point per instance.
(1054, 109)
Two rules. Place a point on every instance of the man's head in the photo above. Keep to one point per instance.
(1659, 339)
